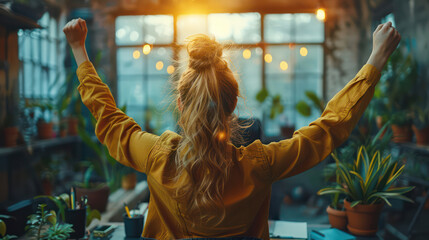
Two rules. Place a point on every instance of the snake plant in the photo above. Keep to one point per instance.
(368, 180)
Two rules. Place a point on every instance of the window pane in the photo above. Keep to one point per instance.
(190, 24)
(126, 62)
(131, 91)
(249, 70)
(238, 27)
(308, 28)
(158, 60)
(278, 28)
(312, 61)
(129, 30)
(158, 29)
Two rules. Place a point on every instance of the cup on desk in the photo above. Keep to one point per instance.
(133, 226)
(76, 217)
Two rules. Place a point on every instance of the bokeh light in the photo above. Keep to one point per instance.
(283, 65)
(247, 54)
(136, 54)
(159, 65)
(170, 69)
(320, 14)
(268, 58)
(303, 51)
(146, 49)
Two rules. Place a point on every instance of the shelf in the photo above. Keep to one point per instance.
(39, 144)
(12, 21)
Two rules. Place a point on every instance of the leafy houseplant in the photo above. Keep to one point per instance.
(421, 126)
(398, 83)
(44, 118)
(43, 225)
(305, 109)
(367, 184)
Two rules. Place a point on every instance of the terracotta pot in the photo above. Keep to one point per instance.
(45, 130)
(401, 134)
(287, 131)
(47, 186)
(379, 121)
(11, 136)
(72, 126)
(363, 218)
(422, 135)
(337, 218)
(129, 181)
(97, 197)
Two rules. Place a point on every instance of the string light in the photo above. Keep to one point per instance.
(320, 14)
(136, 54)
(303, 51)
(221, 136)
(268, 58)
(146, 49)
(170, 69)
(247, 54)
(159, 65)
(283, 65)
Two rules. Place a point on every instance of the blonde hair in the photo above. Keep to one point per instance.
(208, 92)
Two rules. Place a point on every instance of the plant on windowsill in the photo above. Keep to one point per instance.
(421, 125)
(367, 184)
(276, 107)
(398, 85)
(3, 229)
(305, 109)
(43, 117)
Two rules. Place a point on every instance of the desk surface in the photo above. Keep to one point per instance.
(119, 232)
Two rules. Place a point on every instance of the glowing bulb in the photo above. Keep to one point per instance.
(170, 69)
(268, 58)
(136, 54)
(146, 49)
(303, 51)
(247, 54)
(320, 14)
(283, 65)
(159, 65)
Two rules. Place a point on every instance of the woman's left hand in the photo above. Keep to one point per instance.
(75, 31)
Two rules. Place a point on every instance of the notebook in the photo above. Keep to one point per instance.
(331, 233)
(286, 229)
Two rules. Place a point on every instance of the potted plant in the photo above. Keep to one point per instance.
(305, 109)
(3, 229)
(367, 184)
(43, 225)
(398, 81)
(421, 126)
(102, 165)
(276, 108)
(43, 117)
(129, 178)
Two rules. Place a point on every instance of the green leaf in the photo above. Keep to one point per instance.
(2, 228)
(303, 108)
(262, 95)
(354, 203)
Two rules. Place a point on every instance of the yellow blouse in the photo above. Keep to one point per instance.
(257, 166)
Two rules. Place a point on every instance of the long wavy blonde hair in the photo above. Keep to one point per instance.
(207, 96)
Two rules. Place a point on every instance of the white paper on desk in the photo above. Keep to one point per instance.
(285, 229)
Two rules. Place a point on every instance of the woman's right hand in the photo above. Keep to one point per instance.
(385, 40)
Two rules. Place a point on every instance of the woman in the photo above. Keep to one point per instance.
(200, 184)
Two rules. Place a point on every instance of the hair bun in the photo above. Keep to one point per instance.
(204, 52)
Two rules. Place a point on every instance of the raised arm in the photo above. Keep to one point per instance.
(119, 132)
(310, 145)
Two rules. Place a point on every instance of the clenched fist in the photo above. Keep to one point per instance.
(75, 31)
(385, 40)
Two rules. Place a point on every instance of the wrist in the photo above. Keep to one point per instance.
(377, 60)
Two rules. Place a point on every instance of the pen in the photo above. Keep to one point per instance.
(127, 210)
(72, 197)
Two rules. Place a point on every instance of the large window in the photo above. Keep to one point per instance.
(285, 56)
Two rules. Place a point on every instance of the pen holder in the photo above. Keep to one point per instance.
(76, 217)
(133, 226)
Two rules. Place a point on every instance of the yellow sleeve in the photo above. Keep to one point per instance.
(126, 142)
(310, 145)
